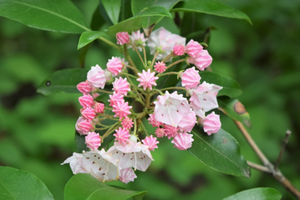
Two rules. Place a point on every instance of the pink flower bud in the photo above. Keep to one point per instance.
(114, 98)
(88, 113)
(122, 38)
(178, 50)
(114, 65)
(84, 87)
(211, 123)
(121, 86)
(99, 107)
(96, 77)
(151, 142)
(147, 79)
(153, 121)
(78, 129)
(188, 122)
(160, 67)
(93, 140)
(183, 141)
(160, 132)
(127, 123)
(170, 131)
(122, 135)
(202, 60)
(86, 101)
(193, 48)
(190, 78)
(85, 126)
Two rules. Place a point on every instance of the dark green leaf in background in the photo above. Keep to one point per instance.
(256, 194)
(231, 88)
(138, 5)
(88, 37)
(87, 187)
(63, 81)
(235, 109)
(54, 15)
(135, 23)
(112, 8)
(18, 185)
(220, 152)
(210, 7)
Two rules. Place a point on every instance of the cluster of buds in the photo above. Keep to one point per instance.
(174, 115)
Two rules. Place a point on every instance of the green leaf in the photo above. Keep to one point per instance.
(80, 143)
(112, 8)
(88, 37)
(135, 23)
(220, 152)
(235, 109)
(138, 5)
(231, 88)
(257, 194)
(63, 81)
(18, 185)
(87, 187)
(210, 7)
(54, 15)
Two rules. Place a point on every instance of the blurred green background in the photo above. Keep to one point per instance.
(37, 132)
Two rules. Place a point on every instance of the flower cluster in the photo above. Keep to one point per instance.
(172, 113)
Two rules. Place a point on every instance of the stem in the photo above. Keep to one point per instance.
(134, 130)
(145, 57)
(109, 131)
(153, 60)
(110, 43)
(156, 91)
(258, 167)
(173, 88)
(104, 91)
(144, 128)
(147, 97)
(129, 59)
(138, 53)
(174, 63)
(167, 73)
(167, 57)
(286, 140)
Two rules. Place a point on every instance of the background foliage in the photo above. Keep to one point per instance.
(37, 132)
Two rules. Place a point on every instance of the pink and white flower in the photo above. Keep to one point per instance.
(163, 41)
(133, 154)
(170, 108)
(99, 107)
(121, 109)
(190, 78)
(115, 65)
(160, 67)
(122, 135)
(96, 77)
(193, 48)
(138, 40)
(83, 126)
(205, 97)
(153, 121)
(183, 141)
(160, 132)
(170, 131)
(147, 79)
(188, 122)
(151, 142)
(122, 38)
(121, 86)
(93, 140)
(127, 175)
(202, 60)
(75, 163)
(211, 123)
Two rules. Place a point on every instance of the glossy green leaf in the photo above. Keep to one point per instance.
(220, 152)
(88, 37)
(54, 15)
(63, 81)
(231, 88)
(235, 109)
(257, 194)
(138, 5)
(112, 8)
(87, 187)
(210, 7)
(18, 185)
(80, 143)
(135, 23)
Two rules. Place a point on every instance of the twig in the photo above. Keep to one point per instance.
(267, 165)
(286, 140)
(258, 167)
